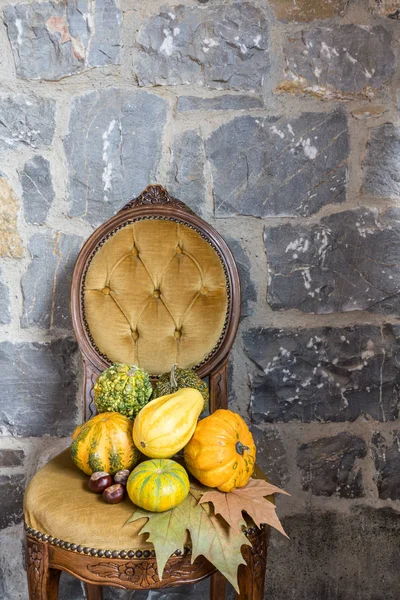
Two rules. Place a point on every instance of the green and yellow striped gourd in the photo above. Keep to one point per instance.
(104, 443)
(158, 484)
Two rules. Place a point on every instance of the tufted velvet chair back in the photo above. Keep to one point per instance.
(153, 286)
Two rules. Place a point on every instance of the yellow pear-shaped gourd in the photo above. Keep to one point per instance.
(165, 425)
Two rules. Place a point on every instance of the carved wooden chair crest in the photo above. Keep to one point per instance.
(152, 286)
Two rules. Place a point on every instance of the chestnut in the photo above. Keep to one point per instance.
(114, 494)
(122, 476)
(99, 481)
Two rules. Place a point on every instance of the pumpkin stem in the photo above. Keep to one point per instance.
(173, 381)
(240, 448)
(132, 370)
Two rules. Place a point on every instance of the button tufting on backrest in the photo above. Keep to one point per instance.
(180, 280)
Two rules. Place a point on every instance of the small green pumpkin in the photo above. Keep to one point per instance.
(122, 388)
(158, 485)
(169, 383)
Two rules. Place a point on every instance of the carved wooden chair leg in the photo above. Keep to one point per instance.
(93, 592)
(252, 577)
(217, 586)
(42, 581)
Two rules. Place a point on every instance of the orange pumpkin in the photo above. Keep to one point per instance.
(222, 452)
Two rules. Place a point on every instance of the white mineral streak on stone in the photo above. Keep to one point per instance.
(274, 129)
(167, 47)
(172, 16)
(351, 58)
(209, 43)
(309, 150)
(257, 40)
(18, 25)
(300, 245)
(368, 75)
(107, 171)
(290, 129)
(305, 271)
(317, 72)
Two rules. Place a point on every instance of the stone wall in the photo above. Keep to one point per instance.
(277, 121)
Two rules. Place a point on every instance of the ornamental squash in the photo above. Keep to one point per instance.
(104, 443)
(165, 425)
(122, 388)
(222, 452)
(178, 379)
(158, 485)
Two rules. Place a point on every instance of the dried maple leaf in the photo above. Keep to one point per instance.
(211, 536)
(250, 499)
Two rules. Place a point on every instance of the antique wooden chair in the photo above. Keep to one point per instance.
(154, 285)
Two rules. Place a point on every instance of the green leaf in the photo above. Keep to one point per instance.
(211, 536)
(167, 532)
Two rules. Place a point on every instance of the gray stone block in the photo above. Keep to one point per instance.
(11, 494)
(26, 121)
(5, 307)
(271, 455)
(37, 189)
(221, 46)
(349, 261)
(197, 591)
(347, 58)
(225, 102)
(279, 166)
(39, 392)
(329, 467)
(324, 374)
(47, 280)
(386, 453)
(382, 162)
(125, 131)
(336, 556)
(51, 40)
(186, 173)
(11, 458)
(249, 294)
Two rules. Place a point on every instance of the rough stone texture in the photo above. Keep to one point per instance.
(10, 239)
(38, 394)
(225, 102)
(5, 313)
(279, 166)
(386, 453)
(307, 10)
(249, 294)
(329, 466)
(220, 46)
(271, 455)
(368, 112)
(13, 582)
(125, 132)
(319, 562)
(11, 494)
(26, 121)
(349, 261)
(51, 40)
(330, 61)
(186, 172)
(37, 189)
(11, 458)
(198, 591)
(386, 8)
(382, 162)
(46, 283)
(324, 374)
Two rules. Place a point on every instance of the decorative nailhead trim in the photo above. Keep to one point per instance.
(187, 551)
(158, 218)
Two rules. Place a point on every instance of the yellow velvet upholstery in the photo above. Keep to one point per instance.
(155, 294)
(58, 503)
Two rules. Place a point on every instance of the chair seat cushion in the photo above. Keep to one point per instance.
(58, 503)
